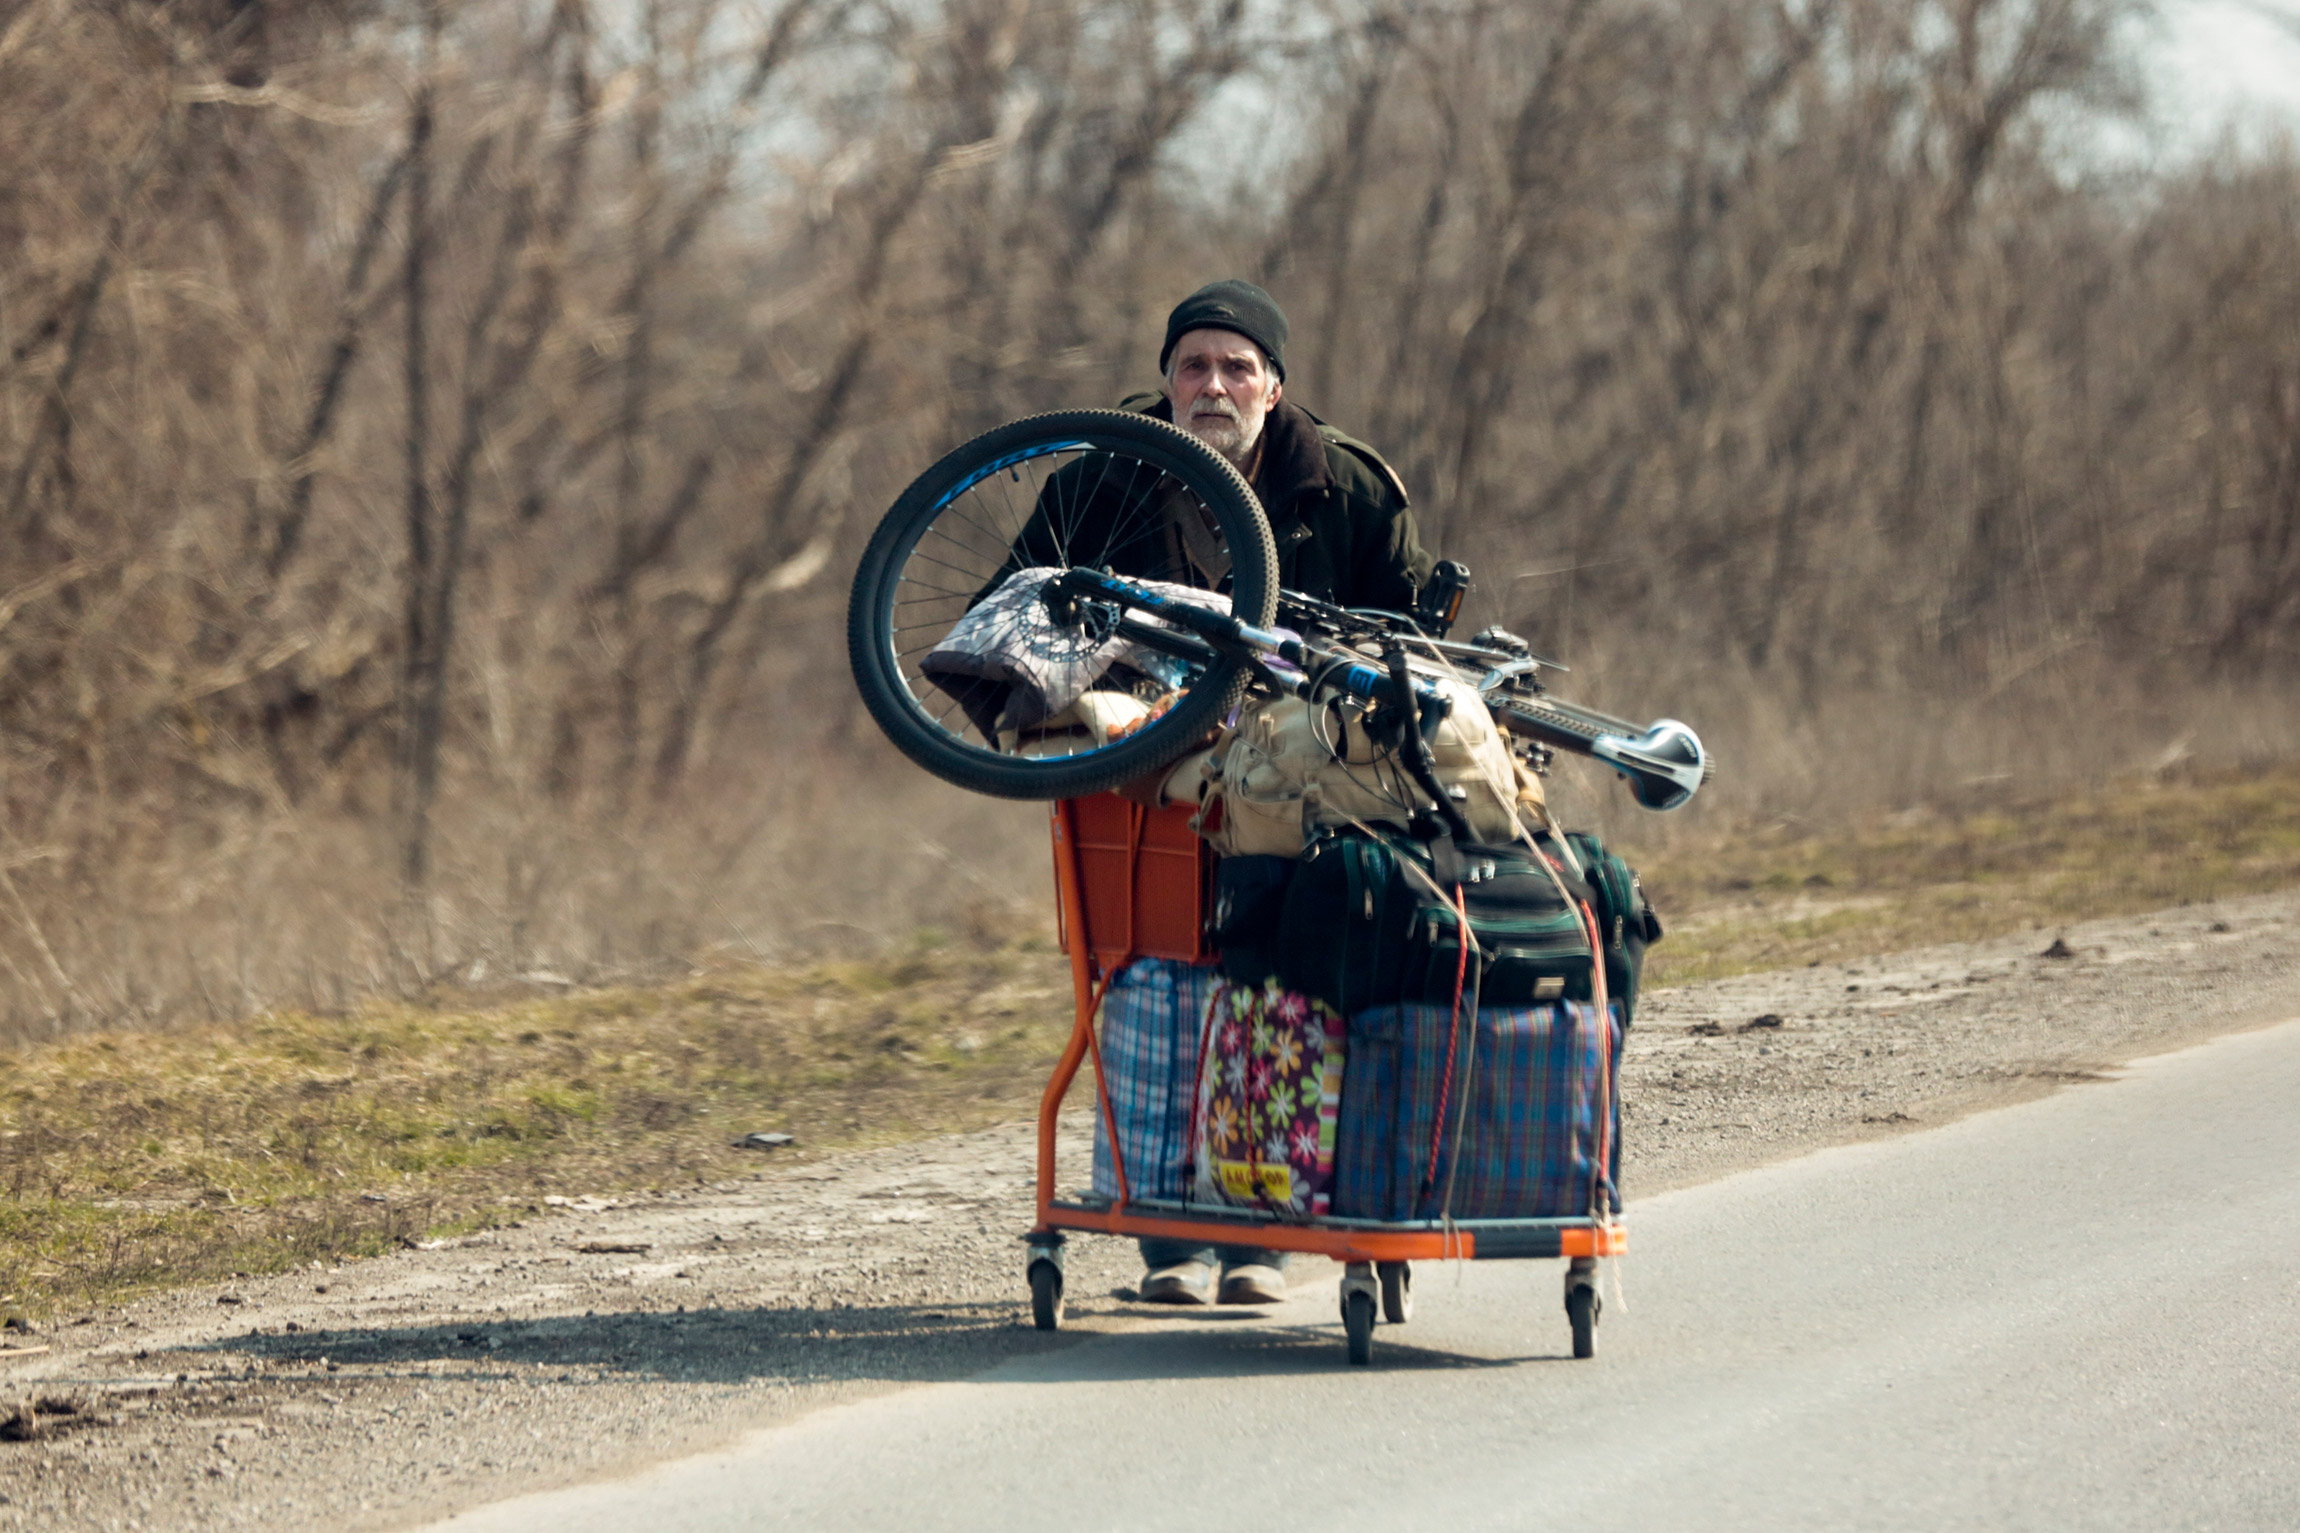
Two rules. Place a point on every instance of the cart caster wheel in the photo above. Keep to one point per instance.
(1358, 1322)
(1581, 1307)
(1397, 1292)
(1046, 1295)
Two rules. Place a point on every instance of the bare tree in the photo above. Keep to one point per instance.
(432, 441)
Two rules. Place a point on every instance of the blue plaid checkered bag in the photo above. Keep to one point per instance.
(1151, 1017)
(1526, 1085)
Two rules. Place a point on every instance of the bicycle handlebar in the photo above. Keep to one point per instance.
(1663, 762)
(1326, 669)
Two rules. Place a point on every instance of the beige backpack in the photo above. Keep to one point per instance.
(1288, 770)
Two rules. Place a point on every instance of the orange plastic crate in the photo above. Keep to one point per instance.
(1145, 880)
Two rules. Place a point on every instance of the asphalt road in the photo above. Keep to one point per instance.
(2083, 1312)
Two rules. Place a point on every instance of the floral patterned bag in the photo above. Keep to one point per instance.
(1269, 1093)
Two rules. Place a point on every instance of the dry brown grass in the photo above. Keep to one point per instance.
(1779, 896)
(139, 1158)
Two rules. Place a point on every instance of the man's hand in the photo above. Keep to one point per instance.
(1149, 790)
(1157, 711)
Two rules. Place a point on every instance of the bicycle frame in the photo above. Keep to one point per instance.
(1664, 762)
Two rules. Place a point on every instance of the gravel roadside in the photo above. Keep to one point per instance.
(603, 1334)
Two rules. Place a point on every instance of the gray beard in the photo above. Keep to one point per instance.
(1227, 436)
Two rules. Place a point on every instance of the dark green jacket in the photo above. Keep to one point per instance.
(1344, 530)
(1338, 515)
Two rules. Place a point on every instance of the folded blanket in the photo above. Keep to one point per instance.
(1013, 668)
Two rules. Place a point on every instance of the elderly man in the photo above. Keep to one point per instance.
(1344, 535)
(1339, 513)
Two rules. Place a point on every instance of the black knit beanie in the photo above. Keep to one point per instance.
(1230, 305)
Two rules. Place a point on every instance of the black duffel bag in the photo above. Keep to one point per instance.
(1625, 920)
(1360, 921)
(1364, 923)
(1249, 897)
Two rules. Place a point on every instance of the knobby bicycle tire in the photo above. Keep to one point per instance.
(896, 699)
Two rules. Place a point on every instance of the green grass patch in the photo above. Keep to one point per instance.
(1785, 896)
(133, 1160)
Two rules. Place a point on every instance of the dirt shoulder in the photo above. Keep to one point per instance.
(607, 1333)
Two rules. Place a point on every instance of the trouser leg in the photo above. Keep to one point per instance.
(1159, 1252)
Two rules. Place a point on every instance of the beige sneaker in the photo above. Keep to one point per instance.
(1182, 1283)
(1253, 1283)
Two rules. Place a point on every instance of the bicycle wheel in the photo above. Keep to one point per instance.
(1094, 489)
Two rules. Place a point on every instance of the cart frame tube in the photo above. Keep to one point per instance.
(1072, 917)
(1347, 1243)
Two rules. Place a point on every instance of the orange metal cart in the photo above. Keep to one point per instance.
(1135, 883)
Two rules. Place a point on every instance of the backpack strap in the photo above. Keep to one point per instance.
(1366, 455)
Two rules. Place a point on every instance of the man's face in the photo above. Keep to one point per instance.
(1222, 388)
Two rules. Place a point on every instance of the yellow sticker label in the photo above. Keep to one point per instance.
(1238, 1180)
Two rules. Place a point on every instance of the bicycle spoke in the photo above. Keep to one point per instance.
(936, 529)
(1020, 522)
(907, 579)
(974, 566)
(1126, 508)
(946, 708)
(964, 596)
(988, 528)
(1017, 518)
(964, 574)
(1053, 503)
(1101, 477)
(1145, 512)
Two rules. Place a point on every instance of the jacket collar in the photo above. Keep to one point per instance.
(1293, 457)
